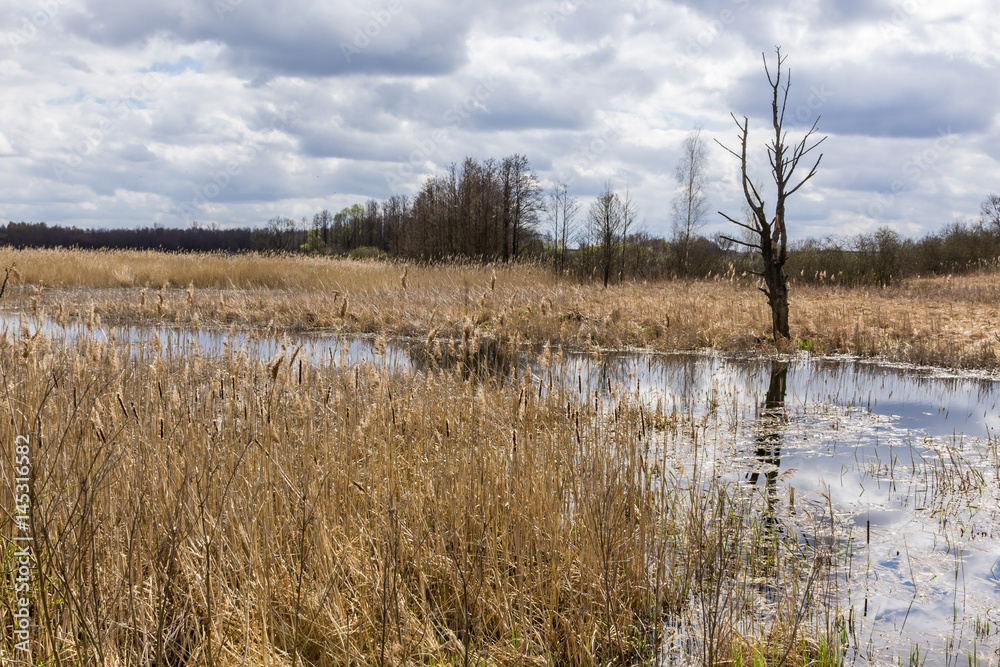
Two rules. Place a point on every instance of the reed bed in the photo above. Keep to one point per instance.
(62, 267)
(235, 510)
(951, 322)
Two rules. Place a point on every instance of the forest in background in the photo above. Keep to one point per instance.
(497, 211)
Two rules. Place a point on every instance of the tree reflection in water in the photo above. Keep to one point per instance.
(770, 425)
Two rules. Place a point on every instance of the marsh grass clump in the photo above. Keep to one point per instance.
(233, 509)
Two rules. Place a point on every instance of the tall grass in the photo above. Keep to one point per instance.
(62, 267)
(234, 510)
(936, 321)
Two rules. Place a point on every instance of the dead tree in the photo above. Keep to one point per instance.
(769, 238)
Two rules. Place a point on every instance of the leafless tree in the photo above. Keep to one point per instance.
(521, 200)
(322, 222)
(690, 205)
(990, 210)
(629, 215)
(281, 232)
(562, 218)
(605, 221)
(397, 210)
(770, 237)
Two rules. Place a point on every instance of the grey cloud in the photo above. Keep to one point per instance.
(853, 11)
(889, 98)
(136, 153)
(77, 64)
(303, 38)
(275, 78)
(329, 140)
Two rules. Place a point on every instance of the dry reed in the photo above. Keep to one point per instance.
(952, 322)
(234, 510)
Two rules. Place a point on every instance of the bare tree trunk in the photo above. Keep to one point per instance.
(777, 295)
(770, 237)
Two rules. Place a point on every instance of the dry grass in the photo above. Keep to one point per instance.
(87, 268)
(233, 510)
(952, 322)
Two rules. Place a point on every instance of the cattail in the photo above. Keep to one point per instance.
(294, 355)
(96, 422)
(466, 333)
(430, 337)
(158, 368)
(121, 404)
(274, 365)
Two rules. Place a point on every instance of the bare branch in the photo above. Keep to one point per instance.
(812, 172)
(740, 224)
(727, 148)
(742, 243)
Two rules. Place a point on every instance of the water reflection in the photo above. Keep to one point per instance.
(770, 425)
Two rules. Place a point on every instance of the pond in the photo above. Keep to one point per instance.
(902, 462)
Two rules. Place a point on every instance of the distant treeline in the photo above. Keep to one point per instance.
(884, 256)
(495, 210)
(41, 235)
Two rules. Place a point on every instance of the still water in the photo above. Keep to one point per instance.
(902, 462)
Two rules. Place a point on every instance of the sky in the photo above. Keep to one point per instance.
(118, 113)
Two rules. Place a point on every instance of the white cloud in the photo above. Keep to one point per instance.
(117, 113)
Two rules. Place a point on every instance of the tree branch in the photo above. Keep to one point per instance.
(740, 224)
(742, 243)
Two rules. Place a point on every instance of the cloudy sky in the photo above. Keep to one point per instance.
(124, 113)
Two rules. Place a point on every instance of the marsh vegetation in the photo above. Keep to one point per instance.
(222, 478)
